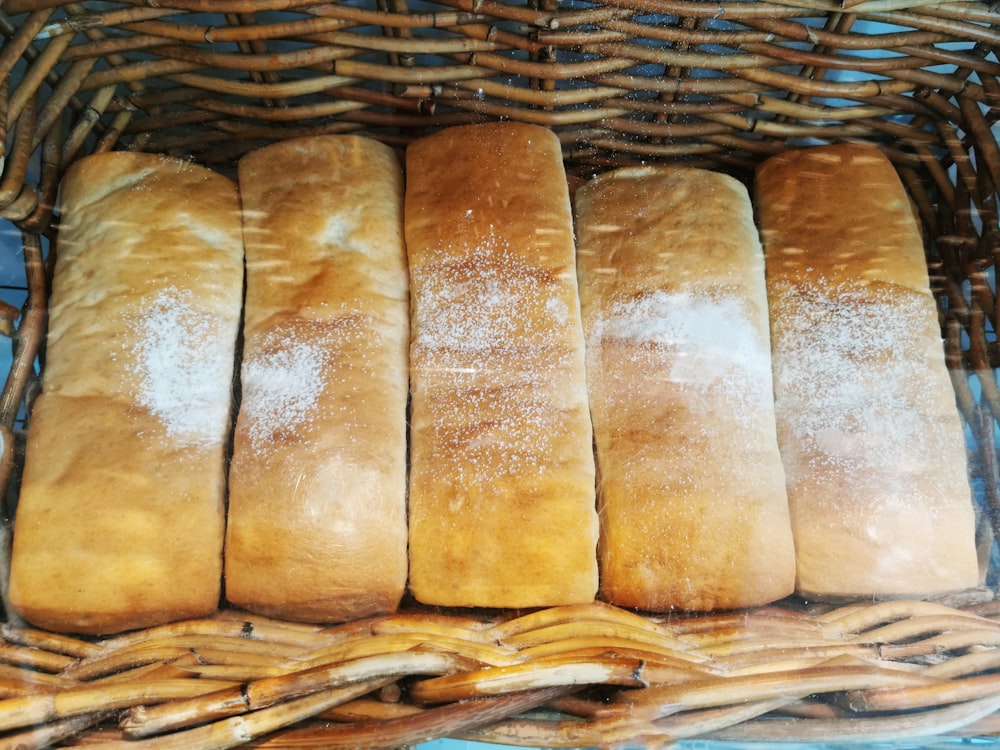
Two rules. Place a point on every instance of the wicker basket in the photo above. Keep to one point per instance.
(716, 84)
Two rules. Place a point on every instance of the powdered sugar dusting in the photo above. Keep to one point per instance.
(480, 303)
(848, 381)
(491, 357)
(285, 373)
(704, 344)
(281, 388)
(182, 370)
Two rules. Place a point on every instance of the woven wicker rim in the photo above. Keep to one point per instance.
(714, 84)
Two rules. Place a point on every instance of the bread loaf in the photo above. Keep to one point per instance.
(694, 513)
(121, 514)
(317, 510)
(867, 423)
(502, 469)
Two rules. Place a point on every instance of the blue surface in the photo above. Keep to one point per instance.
(929, 744)
(11, 264)
(12, 282)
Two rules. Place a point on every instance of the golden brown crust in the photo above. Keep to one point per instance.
(693, 507)
(120, 520)
(870, 435)
(317, 516)
(502, 472)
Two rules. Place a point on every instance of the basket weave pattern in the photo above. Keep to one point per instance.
(712, 84)
(560, 677)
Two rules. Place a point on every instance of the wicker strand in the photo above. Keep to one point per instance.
(937, 722)
(696, 695)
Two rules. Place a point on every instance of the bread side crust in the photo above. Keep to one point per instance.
(502, 470)
(121, 514)
(867, 422)
(692, 494)
(317, 513)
